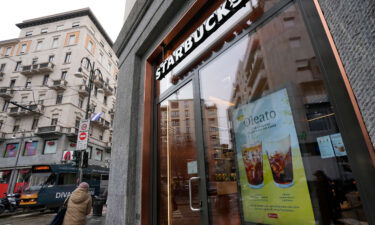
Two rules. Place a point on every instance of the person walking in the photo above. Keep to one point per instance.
(79, 206)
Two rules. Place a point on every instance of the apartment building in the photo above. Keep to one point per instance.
(42, 101)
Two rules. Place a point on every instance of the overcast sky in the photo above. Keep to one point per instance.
(109, 13)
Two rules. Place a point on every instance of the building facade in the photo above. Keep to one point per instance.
(43, 102)
(244, 112)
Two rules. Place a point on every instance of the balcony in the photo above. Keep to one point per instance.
(71, 133)
(83, 90)
(59, 85)
(108, 146)
(99, 82)
(6, 92)
(49, 131)
(2, 74)
(39, 68)
(108, 90)
(102, 123)
(36, 109)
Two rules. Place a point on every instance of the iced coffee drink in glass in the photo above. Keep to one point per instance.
(253, 160)
(279, 154)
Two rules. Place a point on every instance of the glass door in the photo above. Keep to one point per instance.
(179, 201)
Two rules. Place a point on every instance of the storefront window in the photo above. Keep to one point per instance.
(11, 150)
(4, 181)
(23, 179)
(98, 154)
(50, 146)
(273, 150)
(30, 148)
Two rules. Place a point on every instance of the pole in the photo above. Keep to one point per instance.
(91, 81)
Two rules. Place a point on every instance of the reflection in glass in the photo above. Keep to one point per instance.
(177, 158)
(277, 56)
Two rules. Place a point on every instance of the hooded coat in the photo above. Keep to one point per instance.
(79, 205)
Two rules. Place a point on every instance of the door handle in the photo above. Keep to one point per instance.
(191, 195)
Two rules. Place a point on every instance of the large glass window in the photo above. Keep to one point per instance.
(4, 181)
(11, 150)
(23, 179)
(273, 150)
(50, 146)
(5, 176)
(30, 148)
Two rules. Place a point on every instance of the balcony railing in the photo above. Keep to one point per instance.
(49, 130)
(99, 82)
(108, 146)
(6, 92)
(59, 84)
(108, 90)
(34, 109)
(83, 90)
(102, 123)
(45, 67)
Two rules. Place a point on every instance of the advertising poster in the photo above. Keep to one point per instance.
(272, 177)
(11, 150)
(338, 144)
(30, 148)
(325, 147)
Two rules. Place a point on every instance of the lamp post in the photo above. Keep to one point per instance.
(94, 73)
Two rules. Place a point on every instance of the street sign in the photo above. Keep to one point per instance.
(84, 125)
(83, 134)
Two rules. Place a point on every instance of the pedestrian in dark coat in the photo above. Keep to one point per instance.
(79, 206)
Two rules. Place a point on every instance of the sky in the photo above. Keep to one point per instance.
(110, 13)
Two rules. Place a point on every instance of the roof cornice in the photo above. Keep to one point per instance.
(65, 16)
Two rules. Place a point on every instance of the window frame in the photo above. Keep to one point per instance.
(59, 98)
(28, 33)
(38, 46)
(46, 143)
(68, 56)
(23, 49)
(55, 42)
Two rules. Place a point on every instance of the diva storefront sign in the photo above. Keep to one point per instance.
(210, 25)
(271, 172)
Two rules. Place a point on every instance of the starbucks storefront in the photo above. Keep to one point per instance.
(248, 118)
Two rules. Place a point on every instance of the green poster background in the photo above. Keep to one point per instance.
(271, 204)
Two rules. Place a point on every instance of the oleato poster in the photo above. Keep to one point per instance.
(272, 177)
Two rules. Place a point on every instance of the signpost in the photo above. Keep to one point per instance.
(83, 135)
(82, 140)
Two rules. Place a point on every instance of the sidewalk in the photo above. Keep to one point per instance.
(97, 220)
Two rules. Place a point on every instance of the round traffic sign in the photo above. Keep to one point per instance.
(82, 136)
(84, 126)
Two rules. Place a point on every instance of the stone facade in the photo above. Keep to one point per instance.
(352, 26)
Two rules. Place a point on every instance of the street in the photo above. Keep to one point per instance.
(43, 218)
